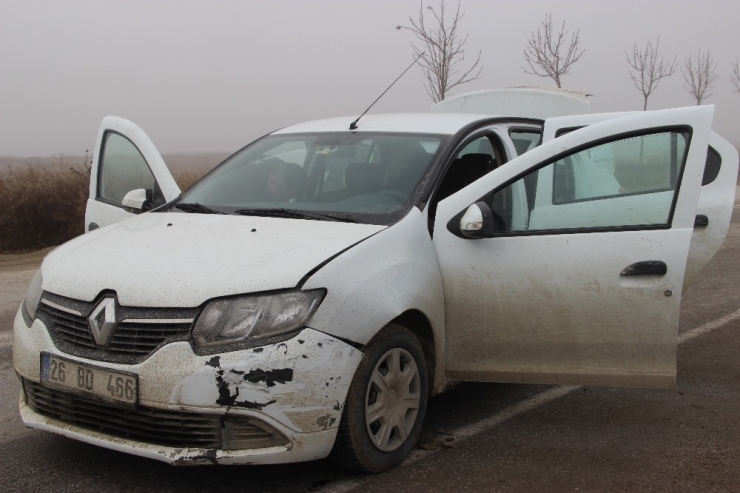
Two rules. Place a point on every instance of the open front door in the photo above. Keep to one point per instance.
(125, 159)
(581, 281)
(716, 199)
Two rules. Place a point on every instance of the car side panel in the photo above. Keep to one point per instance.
(382, 277)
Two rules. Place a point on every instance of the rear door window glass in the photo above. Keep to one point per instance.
(525, 140)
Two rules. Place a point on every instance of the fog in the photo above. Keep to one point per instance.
(212, 76)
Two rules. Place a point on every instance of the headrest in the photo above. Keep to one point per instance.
(481, 162)
(291, 176)
(364, 177)
(410, 172)
(466, 170)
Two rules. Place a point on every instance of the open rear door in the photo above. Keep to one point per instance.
(581, 279)
(716, 202)
(716, 199)
(125, 159)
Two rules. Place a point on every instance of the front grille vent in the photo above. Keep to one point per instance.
(137, 334)
(154, 426)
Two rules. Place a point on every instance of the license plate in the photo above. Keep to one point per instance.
(89, 381)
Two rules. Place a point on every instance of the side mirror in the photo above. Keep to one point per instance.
(477, 222)
(137, 201)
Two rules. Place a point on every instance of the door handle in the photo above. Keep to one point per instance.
(645, 268)
(701, 220)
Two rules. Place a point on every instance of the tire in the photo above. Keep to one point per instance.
(387, 399)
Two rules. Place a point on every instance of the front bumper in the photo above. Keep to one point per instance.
(298, 387)
(304, 446)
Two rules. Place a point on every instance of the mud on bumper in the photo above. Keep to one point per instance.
(303, 446)
(292, 392)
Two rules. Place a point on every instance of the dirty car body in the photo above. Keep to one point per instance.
(308, 295)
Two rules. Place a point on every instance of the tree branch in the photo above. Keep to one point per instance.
(735, 77)
(699, 74)
(444, 48)
(544, 51)
(649, 68)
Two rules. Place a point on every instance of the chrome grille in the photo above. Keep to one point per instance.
(137, 335)
(70, 327)
(142, 339)
(153, 426)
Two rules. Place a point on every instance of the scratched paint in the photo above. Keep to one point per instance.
(303, 446)
(278, 383)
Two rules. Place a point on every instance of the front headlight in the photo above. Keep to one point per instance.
(33, 295)
(234, 320)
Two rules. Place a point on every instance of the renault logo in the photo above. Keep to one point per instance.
(102, 320)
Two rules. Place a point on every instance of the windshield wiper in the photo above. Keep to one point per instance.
(294, 214)
(200, 208)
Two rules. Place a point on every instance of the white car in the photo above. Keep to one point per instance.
(308, 296)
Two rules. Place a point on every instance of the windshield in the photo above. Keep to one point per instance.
(367, 177)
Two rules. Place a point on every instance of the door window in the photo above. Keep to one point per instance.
(474, 160)
(628, 183)
(525, 140)
(478, 146)
(122, 169)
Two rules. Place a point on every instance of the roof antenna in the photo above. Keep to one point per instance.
(353, 125)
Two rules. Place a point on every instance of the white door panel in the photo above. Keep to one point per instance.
(716, 202)
(124, 159)
(716, 199)
(548, 305)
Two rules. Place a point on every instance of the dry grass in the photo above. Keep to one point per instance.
(186, 177)
(42, 201)
(41, 206)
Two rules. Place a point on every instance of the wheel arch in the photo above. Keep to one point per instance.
(418, 323)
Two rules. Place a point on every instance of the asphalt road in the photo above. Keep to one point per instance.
(484, 437)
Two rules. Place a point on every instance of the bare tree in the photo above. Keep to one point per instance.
(699, 73)
(546, 51)
(649, 67)
(441, 49)
(735, 77)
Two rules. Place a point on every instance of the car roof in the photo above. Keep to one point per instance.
(425, 123)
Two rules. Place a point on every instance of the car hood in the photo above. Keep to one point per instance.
(182, 260)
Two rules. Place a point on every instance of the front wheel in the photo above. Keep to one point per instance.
(385, 404)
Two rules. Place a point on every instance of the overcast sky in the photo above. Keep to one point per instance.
(203, 76)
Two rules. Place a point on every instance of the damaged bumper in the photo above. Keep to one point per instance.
(294, 389)
(304, 446)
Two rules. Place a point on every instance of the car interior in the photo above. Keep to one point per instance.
(476, 159)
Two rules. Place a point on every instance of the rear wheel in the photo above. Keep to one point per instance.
(385, 405)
